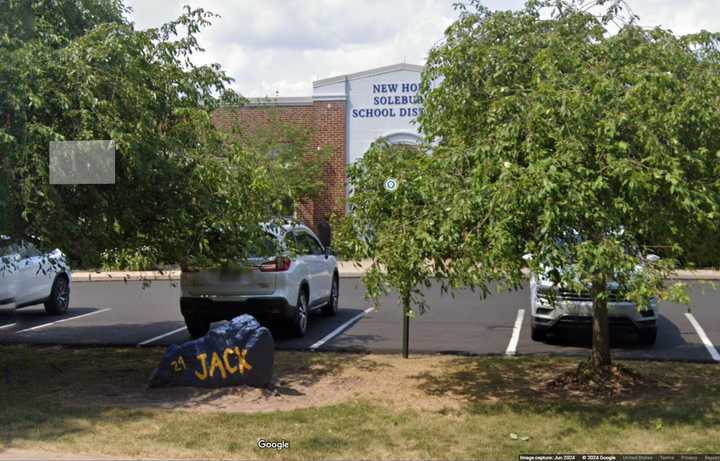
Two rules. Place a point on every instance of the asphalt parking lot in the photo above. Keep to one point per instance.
(119, 313)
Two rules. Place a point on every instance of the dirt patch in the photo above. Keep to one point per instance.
(117, 377)
(615, 381)
(544, 382)
(301, 380)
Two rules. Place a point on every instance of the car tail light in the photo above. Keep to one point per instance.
(279, 264)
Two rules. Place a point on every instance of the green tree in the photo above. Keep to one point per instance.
(576, 144)
(78, 70)
(401, 231)
(552, 136)
(56, 22)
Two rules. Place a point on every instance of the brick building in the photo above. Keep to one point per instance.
(346, 114)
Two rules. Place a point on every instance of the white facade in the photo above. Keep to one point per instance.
(380, 102)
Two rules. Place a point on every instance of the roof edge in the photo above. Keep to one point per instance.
(368, 73)
(280, 101)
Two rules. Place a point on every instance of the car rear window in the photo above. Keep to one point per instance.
(267, 246)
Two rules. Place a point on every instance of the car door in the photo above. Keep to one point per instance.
(35, 275)
(304, 256)
(309, 260)
(9, 260)
(48, 269)
(25, 271)
(320, 273)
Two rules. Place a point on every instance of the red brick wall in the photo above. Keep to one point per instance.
(329, 129)
(326, 120)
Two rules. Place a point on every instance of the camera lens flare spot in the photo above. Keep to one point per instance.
(391, 184)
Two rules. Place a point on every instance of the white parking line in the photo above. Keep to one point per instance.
(164, 335)
(703, 337)
(340, 329)
(7, 326)
(512, 345)
(37, 327)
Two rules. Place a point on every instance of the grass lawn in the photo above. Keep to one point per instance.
(88, 401)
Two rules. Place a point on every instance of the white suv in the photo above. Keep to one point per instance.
(287, 287)
(29, 277)
(557, 310)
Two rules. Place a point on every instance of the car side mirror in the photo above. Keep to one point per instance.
(324, 233)
(652, 258)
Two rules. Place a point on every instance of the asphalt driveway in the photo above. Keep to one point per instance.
(127, 313)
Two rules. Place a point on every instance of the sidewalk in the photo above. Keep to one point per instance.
(346, 269)
(15, 454)
(699, 274)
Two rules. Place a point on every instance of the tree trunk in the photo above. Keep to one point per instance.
(600, 358)
(406, 327)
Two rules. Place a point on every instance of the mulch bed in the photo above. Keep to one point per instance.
(612, 381)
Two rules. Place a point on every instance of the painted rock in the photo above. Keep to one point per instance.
(236, 353)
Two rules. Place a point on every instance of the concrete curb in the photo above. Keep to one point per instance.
(347, 269)
(116, 276)
(699, 274)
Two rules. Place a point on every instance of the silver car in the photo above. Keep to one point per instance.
(286, 287)
(557, 310)
(29, 276)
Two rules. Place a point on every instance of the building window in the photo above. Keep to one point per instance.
(404, 137)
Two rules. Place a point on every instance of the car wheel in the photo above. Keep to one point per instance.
(197, 326)
(300, 320)
(331, 308)
(59, 299)
(648, 336)
(537, 335)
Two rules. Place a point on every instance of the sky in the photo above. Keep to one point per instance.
(279, 47)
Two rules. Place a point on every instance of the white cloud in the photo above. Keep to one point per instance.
(281, 46)
(683, 17)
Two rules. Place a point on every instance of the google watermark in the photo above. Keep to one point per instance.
(278, 445)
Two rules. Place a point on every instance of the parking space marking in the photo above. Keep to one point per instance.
(340, 329)
(164, 335)
(512, 345)
(2, 327)
(703, 337)
(37, 327)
